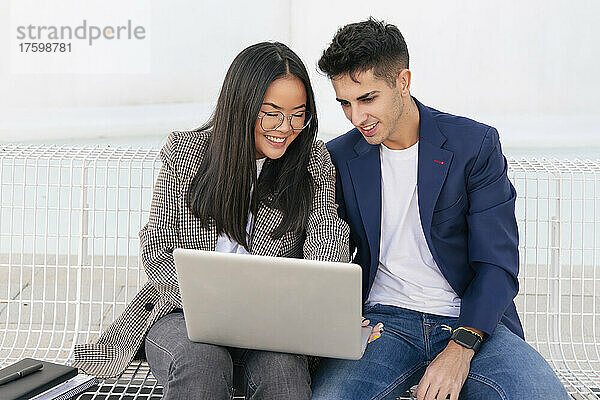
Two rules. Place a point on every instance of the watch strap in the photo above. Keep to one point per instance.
(474, 339)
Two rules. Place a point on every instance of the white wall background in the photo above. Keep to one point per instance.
(530, 68)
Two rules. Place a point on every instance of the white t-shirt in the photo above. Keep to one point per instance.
(224, 243)
(407, 276)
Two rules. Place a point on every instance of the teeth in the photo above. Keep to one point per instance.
(275, 139)
(369, 127)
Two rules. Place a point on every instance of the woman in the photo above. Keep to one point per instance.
(251, 180)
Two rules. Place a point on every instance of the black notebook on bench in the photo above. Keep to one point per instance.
(35, 383)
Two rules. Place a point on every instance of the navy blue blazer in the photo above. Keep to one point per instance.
(466, 205)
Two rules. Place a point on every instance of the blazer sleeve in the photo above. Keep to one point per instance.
(492, 239)
(327, 234)
(158, 238)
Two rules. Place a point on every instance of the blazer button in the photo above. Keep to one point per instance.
(149, 306)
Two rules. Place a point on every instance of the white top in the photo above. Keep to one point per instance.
(224, 243)
(407, 276)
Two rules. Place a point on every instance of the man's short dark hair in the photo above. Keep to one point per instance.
(366, 45)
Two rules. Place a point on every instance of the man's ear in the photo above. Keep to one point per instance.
(403, 81)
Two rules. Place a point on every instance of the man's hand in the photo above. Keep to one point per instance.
(446, 374)
(375, 332)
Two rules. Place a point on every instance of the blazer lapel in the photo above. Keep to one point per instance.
(266, 220)
(433, 166)
(208, 238)
(365, 171)
(192, 235)
(432, 171)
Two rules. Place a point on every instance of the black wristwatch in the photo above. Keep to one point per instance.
(467, 338)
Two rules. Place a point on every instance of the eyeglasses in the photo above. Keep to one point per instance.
(272, 120)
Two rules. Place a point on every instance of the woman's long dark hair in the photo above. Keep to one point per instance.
(220, 191)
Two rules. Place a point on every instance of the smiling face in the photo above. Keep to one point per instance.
(288, 96)
(375, 108)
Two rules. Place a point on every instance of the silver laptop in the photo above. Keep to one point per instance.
(272, 303)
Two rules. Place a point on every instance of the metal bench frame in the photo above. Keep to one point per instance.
(69, 218)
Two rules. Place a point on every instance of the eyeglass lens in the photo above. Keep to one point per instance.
(274, 119)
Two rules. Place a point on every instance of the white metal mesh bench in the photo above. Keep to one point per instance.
(69, 218)
(558, 212)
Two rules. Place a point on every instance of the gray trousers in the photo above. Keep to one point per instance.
(190, 370)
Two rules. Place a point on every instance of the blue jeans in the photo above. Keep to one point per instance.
(506, 367)
(190, 370)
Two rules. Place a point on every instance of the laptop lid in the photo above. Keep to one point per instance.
(272, 303)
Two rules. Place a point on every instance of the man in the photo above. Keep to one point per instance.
(431, 213)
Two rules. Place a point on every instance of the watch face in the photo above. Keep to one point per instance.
(466, 338)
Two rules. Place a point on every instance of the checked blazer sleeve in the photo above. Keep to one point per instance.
(159, 237)
(327, 235)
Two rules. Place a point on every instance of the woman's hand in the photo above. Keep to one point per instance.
(375, 332)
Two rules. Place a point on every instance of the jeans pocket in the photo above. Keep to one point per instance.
(369, 308)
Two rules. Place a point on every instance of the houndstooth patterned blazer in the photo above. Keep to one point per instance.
(172, 225)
